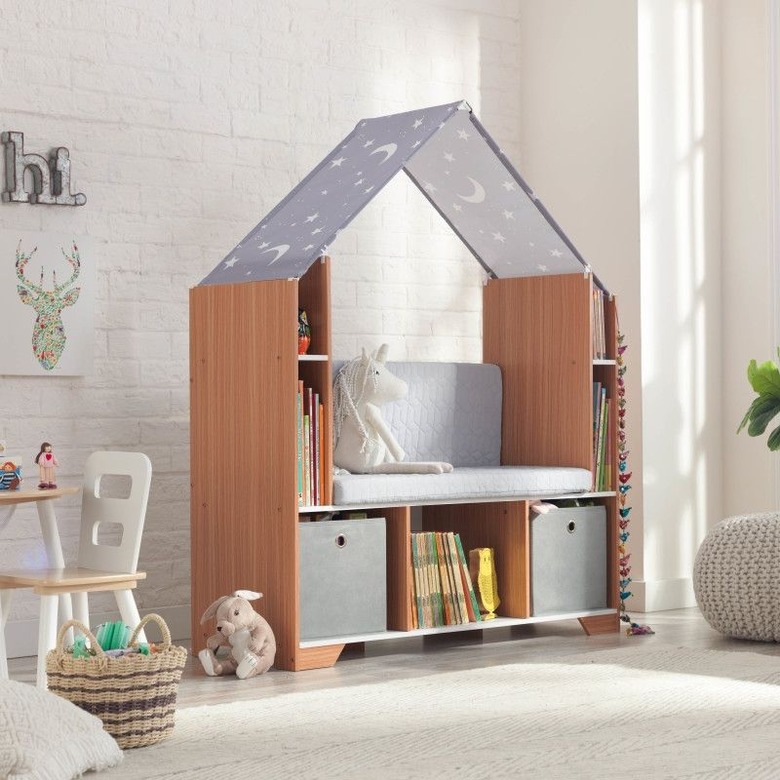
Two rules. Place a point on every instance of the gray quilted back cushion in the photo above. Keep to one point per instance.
(452, 412)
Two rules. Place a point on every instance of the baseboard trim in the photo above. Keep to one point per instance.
(21, 636)
(657, 595)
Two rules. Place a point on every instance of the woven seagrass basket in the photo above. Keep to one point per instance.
(134, 696)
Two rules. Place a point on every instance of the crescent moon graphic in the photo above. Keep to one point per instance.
(388, 149)
(477, 196)
(280, 250)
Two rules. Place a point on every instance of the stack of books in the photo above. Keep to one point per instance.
(309, 446)
(443, 593)
(603, 455)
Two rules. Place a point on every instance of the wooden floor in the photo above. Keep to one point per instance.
(407, 658)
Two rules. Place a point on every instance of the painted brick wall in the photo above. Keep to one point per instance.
(187, 120)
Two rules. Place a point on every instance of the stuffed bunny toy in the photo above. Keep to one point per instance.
(247, 634)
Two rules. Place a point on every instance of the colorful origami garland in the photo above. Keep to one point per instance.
(624, 477)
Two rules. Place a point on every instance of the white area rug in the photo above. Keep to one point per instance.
(633, 712)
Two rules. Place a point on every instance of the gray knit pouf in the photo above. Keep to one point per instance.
(736, 577)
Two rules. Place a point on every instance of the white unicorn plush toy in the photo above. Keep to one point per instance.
(364, 443)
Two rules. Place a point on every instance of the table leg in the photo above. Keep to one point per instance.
(54, 555)
(5, 606)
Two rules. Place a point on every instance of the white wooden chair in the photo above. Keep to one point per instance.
(100, 566)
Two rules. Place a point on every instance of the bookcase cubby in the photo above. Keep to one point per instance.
(244, 503)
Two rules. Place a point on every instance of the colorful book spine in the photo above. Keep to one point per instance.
(474, 612)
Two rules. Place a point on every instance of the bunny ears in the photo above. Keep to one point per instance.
(249, 595)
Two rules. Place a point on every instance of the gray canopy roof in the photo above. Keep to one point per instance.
(457, 166)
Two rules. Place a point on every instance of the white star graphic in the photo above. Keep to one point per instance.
(248, 273)
(457, 207)
(263, 245)
(556, 253)
(312, 217)
(509, 214)
(358, 182)
(449, 157)
(464, 135)
(415, 144)
(542, 267)
(337, 162)
(508, 186)
(428, 186)
(316, 230)
(230, 263)
(417, 123)
(307, 248)
(368, 143)
(324, 192)
(368, 190)
(498, 237)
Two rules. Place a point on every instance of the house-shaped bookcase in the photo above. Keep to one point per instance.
(538, 326)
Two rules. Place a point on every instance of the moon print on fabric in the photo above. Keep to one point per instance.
(477, 196)
(460, 170)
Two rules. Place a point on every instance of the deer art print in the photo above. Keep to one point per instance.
(48, 339)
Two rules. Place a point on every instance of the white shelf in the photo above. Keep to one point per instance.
(499, 622)
(312, 358)
(305, 510)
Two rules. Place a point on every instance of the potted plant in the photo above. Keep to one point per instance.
(765, 380)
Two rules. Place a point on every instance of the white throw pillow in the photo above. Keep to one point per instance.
(45, 737)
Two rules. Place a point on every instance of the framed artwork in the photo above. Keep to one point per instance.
(47, 303)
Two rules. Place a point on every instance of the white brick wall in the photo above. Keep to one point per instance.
(187, 120)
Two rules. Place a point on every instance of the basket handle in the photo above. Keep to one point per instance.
(93, 643)
(166, 634)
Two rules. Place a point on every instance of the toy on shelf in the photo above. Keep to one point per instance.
(10, 474)
(364, 442)
(304, 332)
(250, 639)
(46, 461)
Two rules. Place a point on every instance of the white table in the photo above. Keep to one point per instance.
(44, 501)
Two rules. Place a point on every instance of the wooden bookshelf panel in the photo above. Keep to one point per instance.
(399, 566)
(502, 526)
(538, 330)
(243, 371)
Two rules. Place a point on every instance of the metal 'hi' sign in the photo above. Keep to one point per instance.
(50, 178)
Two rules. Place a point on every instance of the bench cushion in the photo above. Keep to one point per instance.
(463, 483)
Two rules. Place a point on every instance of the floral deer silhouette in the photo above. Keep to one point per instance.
(48, 340)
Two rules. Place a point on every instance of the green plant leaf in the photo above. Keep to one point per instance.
(763, 409)
(764, 378)
(749, 413)
(773, 442)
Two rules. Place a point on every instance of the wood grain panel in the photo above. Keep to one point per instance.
(243, 369)
(316, 657)
(399, 566)
(502, 526)
(600, 624)
(538, 330)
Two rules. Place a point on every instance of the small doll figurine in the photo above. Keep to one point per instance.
(46, 461)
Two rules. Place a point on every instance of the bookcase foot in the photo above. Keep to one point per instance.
(600, 624)
(317, 657)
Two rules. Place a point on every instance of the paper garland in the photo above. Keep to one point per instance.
(624, 477)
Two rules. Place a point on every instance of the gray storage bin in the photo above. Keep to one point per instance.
(569, 560)
(343, 580)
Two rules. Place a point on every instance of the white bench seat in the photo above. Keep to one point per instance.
(465, 483)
